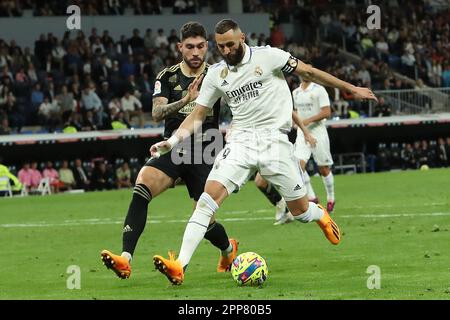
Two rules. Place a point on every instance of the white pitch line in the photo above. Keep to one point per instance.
(377, 206)
(110, 221)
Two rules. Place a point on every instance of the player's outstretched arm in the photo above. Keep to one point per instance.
(190, 125)
(161, 109)
(308, 72)
(308, 137)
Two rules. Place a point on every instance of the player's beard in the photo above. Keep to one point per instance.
(194, 63)
(235, 58)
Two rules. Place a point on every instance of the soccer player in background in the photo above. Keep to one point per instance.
(251, 81)
(282, 214)
(313, 105)
(173, 100)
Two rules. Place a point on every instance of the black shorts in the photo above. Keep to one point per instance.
(194, 175)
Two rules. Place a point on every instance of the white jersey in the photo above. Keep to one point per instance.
(308, 103)
(255, 89)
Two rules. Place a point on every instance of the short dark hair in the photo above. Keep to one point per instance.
(192, 29)
(225, 25)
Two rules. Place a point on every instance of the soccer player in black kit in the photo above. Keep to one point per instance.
(176, 89)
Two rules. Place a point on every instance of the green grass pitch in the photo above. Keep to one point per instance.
(397, 221)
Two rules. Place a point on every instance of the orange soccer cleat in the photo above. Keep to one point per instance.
(120, 265)
(329, 227)
(171, 268)
(224, 264)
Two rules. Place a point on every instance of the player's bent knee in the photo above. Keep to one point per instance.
(156, 180)
(324, 171)
(206, 201)
(216, 190)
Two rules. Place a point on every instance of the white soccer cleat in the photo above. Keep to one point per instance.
(282, 214)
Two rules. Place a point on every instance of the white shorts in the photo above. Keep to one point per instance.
(269, 153)
(321, 152)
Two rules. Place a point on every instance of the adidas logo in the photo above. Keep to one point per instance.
(224, 83)
(127, 228)
(297, 187)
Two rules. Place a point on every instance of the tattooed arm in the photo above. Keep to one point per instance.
(161, 109)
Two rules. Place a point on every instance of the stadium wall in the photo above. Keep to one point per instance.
(351, 135)
(26, 30)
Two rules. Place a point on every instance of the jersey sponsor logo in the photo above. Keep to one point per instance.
(245, 88)
(187, 109)
(244, 93)
(157, 88)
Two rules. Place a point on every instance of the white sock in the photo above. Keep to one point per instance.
(328, 182)
(309, 189)
(127, 255)
(313, 213)
(196, 227)
(227, 250)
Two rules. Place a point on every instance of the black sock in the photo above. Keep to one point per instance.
(217, 235)
(271, 193)
(136, 218)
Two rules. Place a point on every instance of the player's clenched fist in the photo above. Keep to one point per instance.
(162, 147)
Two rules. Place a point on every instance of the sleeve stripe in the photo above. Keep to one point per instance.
(287, 68)
(161, 74)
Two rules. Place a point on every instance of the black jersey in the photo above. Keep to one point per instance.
(172, 83)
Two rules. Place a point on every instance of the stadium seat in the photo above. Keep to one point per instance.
(44, 187)
(5, 187)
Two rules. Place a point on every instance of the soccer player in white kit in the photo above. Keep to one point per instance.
(251, 81)
(313, 105)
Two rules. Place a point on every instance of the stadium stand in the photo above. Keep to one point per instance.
(112, 67)
(19, 8)
(80, 82)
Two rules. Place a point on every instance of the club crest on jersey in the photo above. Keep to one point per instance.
(258, 71)
(224, 73)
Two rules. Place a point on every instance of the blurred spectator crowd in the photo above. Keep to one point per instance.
(92, 175)
(413, 39)
(15, 8)
(84, 82)
(411, 155)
